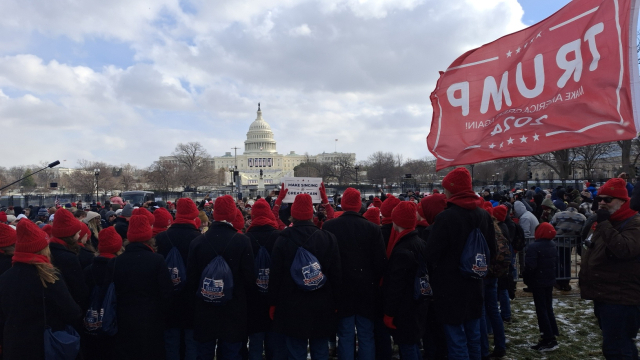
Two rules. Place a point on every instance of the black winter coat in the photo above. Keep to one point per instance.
(456, 299)
(5, 263)
(423, 232)
(86, 257)
(258, 301)
(22, 311)
(299, 313)
(181, 309)
(409, 316)
(363, 260)
(228, 321)
(540, 263)
(95, 346)
(122, 226)
(71, 272)
(143, 287)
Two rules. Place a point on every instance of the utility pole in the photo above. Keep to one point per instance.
(235, 166)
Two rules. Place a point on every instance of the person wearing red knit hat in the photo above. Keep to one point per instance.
(263, 233)
(8, 239)
(225, 322)
(373, 214)
(238, 221)
(64, 254)
(143, 286)
(293, 315)
(87, 252)
(459, 303)
(385, 210)
(110, 246)
(402, 314)
(359, 242)
(610, 271)
(22, 289)
(3, 217)
(162, 219)
(540, 276)
(377, 202)
(144, 211)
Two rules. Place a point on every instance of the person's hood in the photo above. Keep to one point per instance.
(549, 203)
(539, 191)
(519, 208)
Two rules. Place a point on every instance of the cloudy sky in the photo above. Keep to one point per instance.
(124, 81)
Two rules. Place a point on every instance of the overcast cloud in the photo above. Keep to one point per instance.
(124, 81)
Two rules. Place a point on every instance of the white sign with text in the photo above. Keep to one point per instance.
(302, 185)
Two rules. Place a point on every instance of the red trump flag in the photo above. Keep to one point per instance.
(570, 80)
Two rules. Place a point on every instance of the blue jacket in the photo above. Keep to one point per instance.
(540, 263)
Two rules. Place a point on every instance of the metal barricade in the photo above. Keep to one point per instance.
(568, 264)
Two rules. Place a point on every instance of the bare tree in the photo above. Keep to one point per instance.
(421, 169)
(559, 161)
(588, 156)
(340, 169)
(163, 175)
(381, 165)
(194, 166)
(128, 177)
(84, 180)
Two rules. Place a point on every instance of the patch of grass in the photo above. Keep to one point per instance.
(580, 336)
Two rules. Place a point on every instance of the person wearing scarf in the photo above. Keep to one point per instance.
(109, 246)
(402, 314)
(143, 289)
(372, 214)
(610, 270)
(423, 224)
(64, 247)
(28, 290)
(263, 232)
(385, 210)
(87, 252)
(180, 234)
(8, 240)
(458, 301)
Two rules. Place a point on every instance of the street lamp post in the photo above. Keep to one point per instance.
(356, 168)
(97, 174)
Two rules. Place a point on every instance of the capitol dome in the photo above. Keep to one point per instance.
(259, 137)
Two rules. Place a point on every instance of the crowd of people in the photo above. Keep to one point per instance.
(431, 273)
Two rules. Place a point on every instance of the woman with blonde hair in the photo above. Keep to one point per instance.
(32, 296)
(93, 222)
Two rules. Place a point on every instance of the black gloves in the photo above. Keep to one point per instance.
(603, 215)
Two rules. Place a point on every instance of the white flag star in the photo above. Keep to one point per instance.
(539, 35)
(531, 41)
(523, 139)
(525, 45)
(536, 137)
(509, 54)
(501, 144)
(492, 146)
(510, 141)
(518, 50)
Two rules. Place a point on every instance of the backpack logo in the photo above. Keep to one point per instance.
(480, 267)
(263, 279)
(212, 289)
(425, 287)
(175, 276)
(92, 320)
(312, 274)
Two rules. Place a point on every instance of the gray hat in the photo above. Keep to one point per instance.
(110, 214)
(126, 212)
(43, 212)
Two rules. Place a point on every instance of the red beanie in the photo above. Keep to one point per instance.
(224, 209)
(30, 239)
(616, 188)
(3, 217)
(387, 206)
(186, 209)
(302, 208)
(47, 228)
(436, 191)
(457, 180)
(143, 211)
(139, 229)
(433, 205)
(500, 212)
(84, 230)
(65, 224)
(110, 241)
(404, 215)
(373, 215)
(351, 200)
(161, 220)
(546, 231)
(377, 202)
(489, 207)
(261, 214)
(238, 221)
(8, 236)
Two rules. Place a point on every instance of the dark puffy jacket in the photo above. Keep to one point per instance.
(386, 233)
(22, 311)
(363, 259)
(181, 308)
(122, 226)
(299, 313)
(86, 257)
(68, 263)
(540, 263)
(5, 263)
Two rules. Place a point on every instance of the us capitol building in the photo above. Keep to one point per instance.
(260, 154)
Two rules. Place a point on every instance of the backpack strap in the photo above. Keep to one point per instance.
(301, 244)
(625, 222)
(225, 248)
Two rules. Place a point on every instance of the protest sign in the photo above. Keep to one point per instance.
(302, 185)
